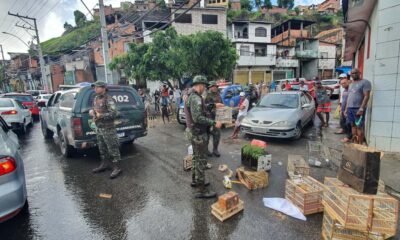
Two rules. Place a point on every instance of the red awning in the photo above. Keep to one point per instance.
(357, 21)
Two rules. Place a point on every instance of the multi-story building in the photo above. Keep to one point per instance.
(286, 63)
(373, 43)
(199, 19)
(327, 60)
(252, 40)
(329, 6)
(295, 34)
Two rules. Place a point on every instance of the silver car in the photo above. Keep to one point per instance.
(280, 115)
(13, 197)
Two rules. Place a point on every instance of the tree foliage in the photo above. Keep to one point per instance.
(246, 4)
(286, 4)
(80, 18)
(71, 39)
(67, 26)
(171, 56)
(268, 4)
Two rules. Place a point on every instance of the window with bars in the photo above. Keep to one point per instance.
(261, 32)
(244, 50)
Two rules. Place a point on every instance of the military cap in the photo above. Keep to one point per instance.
(212, 84)
(99, 84)
(199, 79)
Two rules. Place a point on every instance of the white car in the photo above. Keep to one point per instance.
(17, 116)
(332, 83)
(43, 98)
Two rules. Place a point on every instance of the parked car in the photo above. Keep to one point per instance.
(36, 93)
(280, 115)
(67, 115)
(333, 83)
(296, 85)
(229, 95)
(17, 116)
(13, 195)
(43, 98)
(27, 100)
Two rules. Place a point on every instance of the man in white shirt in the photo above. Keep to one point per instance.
(243, 108)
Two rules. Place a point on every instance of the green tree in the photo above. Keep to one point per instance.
(297, 10)
(209, 53)
(67, 26)
(80, 18)
(172, 56)
(286, 3)
(246, 4)
(162, 4)
(268, 4)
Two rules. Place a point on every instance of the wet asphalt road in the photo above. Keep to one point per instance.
(153, 198)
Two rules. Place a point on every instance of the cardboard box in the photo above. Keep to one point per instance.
(228, 201)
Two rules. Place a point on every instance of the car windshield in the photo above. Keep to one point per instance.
(6, 103)
(21, 98)
(45, 96)
(279, 101)
(329, 82)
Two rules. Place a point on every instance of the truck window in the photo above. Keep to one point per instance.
(124, 99)
(67, 100)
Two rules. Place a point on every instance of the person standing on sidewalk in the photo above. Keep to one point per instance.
(344, 124)
(197, 123)
(359, 93)
(324, 102)
(104, 112)
(213, 101)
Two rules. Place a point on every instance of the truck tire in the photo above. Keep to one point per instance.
(47, 134)
(66, 149)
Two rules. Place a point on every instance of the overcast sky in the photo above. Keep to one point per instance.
(50, 15)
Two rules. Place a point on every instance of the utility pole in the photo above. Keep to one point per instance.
(4, 67)
(46, 82)
(104, 39)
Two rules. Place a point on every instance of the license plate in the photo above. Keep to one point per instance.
(121, 134)
(259, 130)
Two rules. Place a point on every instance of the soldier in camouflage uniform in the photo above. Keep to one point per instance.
(197, 123)
(213, 101)
(104, 112)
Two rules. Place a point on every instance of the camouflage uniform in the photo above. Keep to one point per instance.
(210, 101)
(107, 138)
(106, 133)
(197, 124)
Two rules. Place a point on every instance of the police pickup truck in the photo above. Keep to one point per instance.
(67, 115)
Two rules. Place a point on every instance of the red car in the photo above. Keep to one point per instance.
(26, 100)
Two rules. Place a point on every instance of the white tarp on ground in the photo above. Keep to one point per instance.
(284, 206)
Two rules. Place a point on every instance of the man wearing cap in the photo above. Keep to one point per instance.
(104, 112)
(197, 123)
(213, 101)
(344, 124)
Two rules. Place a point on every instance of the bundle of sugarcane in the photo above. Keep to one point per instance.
(251, 179)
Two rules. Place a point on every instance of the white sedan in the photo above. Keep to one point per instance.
(16, 115)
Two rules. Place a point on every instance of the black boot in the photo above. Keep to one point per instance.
(115, 171)
(196, 184)
(209, 153)
(216, 152)
(205, 193)
(103, 166)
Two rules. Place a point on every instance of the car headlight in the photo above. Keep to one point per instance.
(282, 124)
(246, 121)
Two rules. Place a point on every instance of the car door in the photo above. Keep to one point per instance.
(305, 111)
(26, 114)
